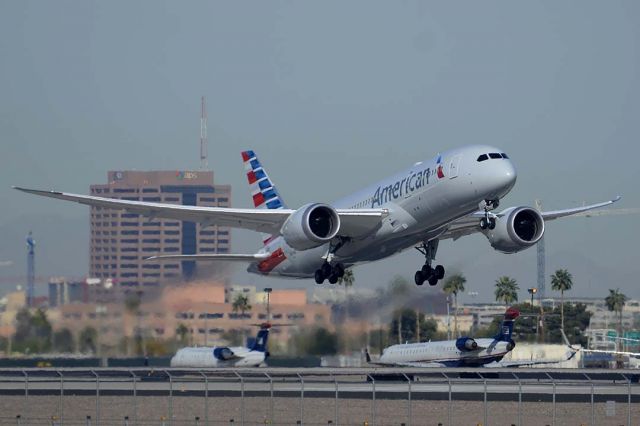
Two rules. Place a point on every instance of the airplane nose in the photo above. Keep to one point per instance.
(509, 174)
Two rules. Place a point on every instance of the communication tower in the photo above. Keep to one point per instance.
(31, 274)
(204, 161)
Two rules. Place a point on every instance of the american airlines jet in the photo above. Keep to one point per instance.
(446, 197)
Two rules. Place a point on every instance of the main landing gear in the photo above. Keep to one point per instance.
(328, 271)
(427, 273)
(489, 219)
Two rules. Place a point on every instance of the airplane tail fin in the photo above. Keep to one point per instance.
(259, 343)
(265, 194)
(506, 328)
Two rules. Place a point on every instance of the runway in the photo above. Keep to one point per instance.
(317, 395)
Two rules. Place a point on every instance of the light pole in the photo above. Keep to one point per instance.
(268, 290)
(532, 291)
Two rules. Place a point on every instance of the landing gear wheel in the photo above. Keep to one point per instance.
(426, 270)
(483, 224)
(326, 269)
(319, 277)
(338, 270)
(492, 223)
(333, 278)
(438, 272)
(419, 278)
(433, 280)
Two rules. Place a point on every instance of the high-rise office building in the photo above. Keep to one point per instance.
(120, 241)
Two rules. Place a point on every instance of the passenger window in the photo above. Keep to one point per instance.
(504, 155)
(495, 155)
(482, 158)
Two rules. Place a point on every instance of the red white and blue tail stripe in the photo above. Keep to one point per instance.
(264, 193)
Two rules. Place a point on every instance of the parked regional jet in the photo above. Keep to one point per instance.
(449, 196)
(462, 352)
(254, 355)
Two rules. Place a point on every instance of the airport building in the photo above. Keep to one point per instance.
(120, 241)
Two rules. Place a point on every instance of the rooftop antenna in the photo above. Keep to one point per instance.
(204, 162)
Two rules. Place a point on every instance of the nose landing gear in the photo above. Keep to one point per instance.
(489, 219)
(427, 273)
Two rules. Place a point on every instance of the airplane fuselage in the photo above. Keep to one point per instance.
(445, 353)
(421, 202)
(203, 357)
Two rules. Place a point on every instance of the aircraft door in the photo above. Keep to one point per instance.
(454, 165)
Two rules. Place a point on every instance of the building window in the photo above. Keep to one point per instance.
(147, 190)
(151, 224)
(203, 241)
(207, 232)
(208, 200)
(171, 232)
(223, 200)
(123, 190)
(147, 232)
(151, 240)
(171, 249)
(129, 232)
(153, 199)
(171, 241)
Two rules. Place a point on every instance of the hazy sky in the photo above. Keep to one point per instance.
(331, 95)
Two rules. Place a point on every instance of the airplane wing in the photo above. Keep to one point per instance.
(354, 222)
(528, 363)
(470, 224)
(213, 257)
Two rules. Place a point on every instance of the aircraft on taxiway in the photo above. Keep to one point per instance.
(449, 196)
(253, 355)
(464, 351)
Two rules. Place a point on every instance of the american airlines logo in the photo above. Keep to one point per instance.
(402, 187)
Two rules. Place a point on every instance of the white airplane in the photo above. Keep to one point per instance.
(462, 352)
(253, 355)
(449, 196)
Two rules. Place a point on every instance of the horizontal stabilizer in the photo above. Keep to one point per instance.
(213, 257)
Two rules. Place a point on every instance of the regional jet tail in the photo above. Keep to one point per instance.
(447, 196)
(253, 355)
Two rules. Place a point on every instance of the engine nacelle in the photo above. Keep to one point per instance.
(519, 228)
(223, 354)
(311, 226)
(466, 344)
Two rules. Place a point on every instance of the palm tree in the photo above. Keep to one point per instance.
(454, 285)
(615, 301)
(241, 303)
(182, 332)
(506, 290)
(561, 281)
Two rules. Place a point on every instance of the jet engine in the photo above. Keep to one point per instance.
(311, 226)
(223, 354)
(517, 229)
(466, 344)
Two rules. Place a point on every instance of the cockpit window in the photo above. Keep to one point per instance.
(504, 155)
(483, 157)
(495, 155)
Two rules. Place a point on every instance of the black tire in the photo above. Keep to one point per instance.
(319, 277)
(492, 223)
(338, 269)
(439, 272)
(483, 224)
(326, 269)
(333, 278)
(433, 280)
(419, 278)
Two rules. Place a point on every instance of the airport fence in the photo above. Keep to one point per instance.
(317, 397)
